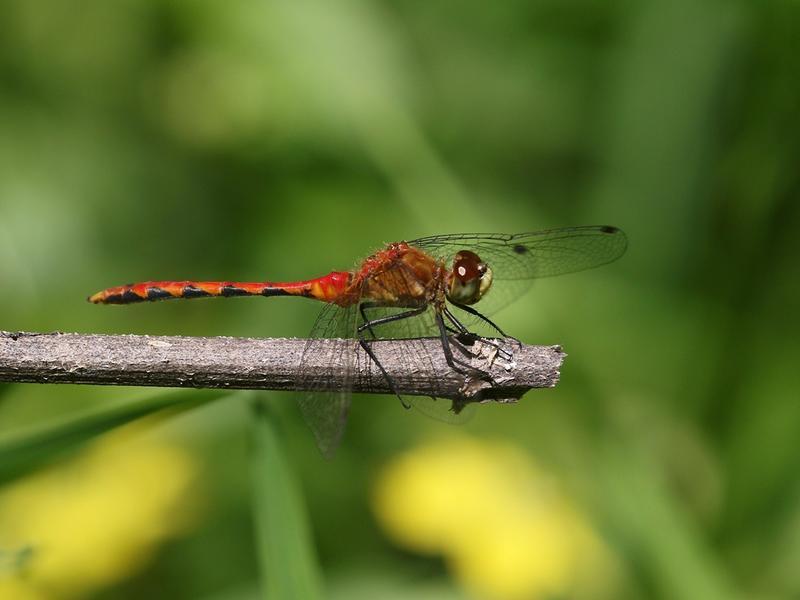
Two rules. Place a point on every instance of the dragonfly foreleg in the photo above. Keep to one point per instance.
(470, 338)
(461, 340)
(485, 319)
(461, 337)
(459, 366)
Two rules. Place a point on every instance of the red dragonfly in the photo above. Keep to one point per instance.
(424, 287)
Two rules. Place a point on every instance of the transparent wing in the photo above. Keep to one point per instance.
(418, 359)
(517, 259)
(419, 326)
(441, 409)
(325, 411)
(535, 254)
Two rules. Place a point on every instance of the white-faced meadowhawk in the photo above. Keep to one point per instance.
(428, 286)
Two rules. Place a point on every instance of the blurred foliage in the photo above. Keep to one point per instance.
(23, 452)
(288, 565)
(255, 140)
(501, 522)
(82, 525)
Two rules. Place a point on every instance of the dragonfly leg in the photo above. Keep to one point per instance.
(367, 325)
(362, 308)
(473, 337)
(461, 329)
(459, 366)
(463, 335)
(484, 318)
(365, 345)
(459, 337)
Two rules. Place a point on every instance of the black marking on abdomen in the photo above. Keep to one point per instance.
(190, 291)
(229, 291)
(157, 293)
(276, 292)
(130, 296)
(113, 299)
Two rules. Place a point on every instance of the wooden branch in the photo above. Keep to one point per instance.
(416, 366)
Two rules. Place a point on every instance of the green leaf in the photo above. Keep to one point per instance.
(4, 389)
(23, 452)
(287, 559)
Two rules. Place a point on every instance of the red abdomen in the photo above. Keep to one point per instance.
(328, 288)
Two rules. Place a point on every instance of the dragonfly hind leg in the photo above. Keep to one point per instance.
(362, 309)
(367, 325)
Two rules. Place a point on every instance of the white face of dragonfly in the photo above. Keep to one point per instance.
(470, 278)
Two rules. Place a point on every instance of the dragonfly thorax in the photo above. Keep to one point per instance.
(470, 278)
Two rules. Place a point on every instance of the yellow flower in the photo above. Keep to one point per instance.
(96, 519)
(505, 528)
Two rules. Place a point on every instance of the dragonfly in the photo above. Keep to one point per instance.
(444, 286)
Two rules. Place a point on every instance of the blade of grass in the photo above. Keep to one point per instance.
(666, 541)
(287, 559)
(23, 452)
(4, 389)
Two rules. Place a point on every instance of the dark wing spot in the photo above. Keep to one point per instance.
(232, 290)
(520, 249)
(609, 229)
(191, 291)
(156, 293)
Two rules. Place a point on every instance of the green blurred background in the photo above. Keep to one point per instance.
(279, 140)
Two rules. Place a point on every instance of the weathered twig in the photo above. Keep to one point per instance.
(274, 364)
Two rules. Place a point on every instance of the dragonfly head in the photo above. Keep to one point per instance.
(470, 279)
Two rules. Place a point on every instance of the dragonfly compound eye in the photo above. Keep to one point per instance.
(470, 280)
